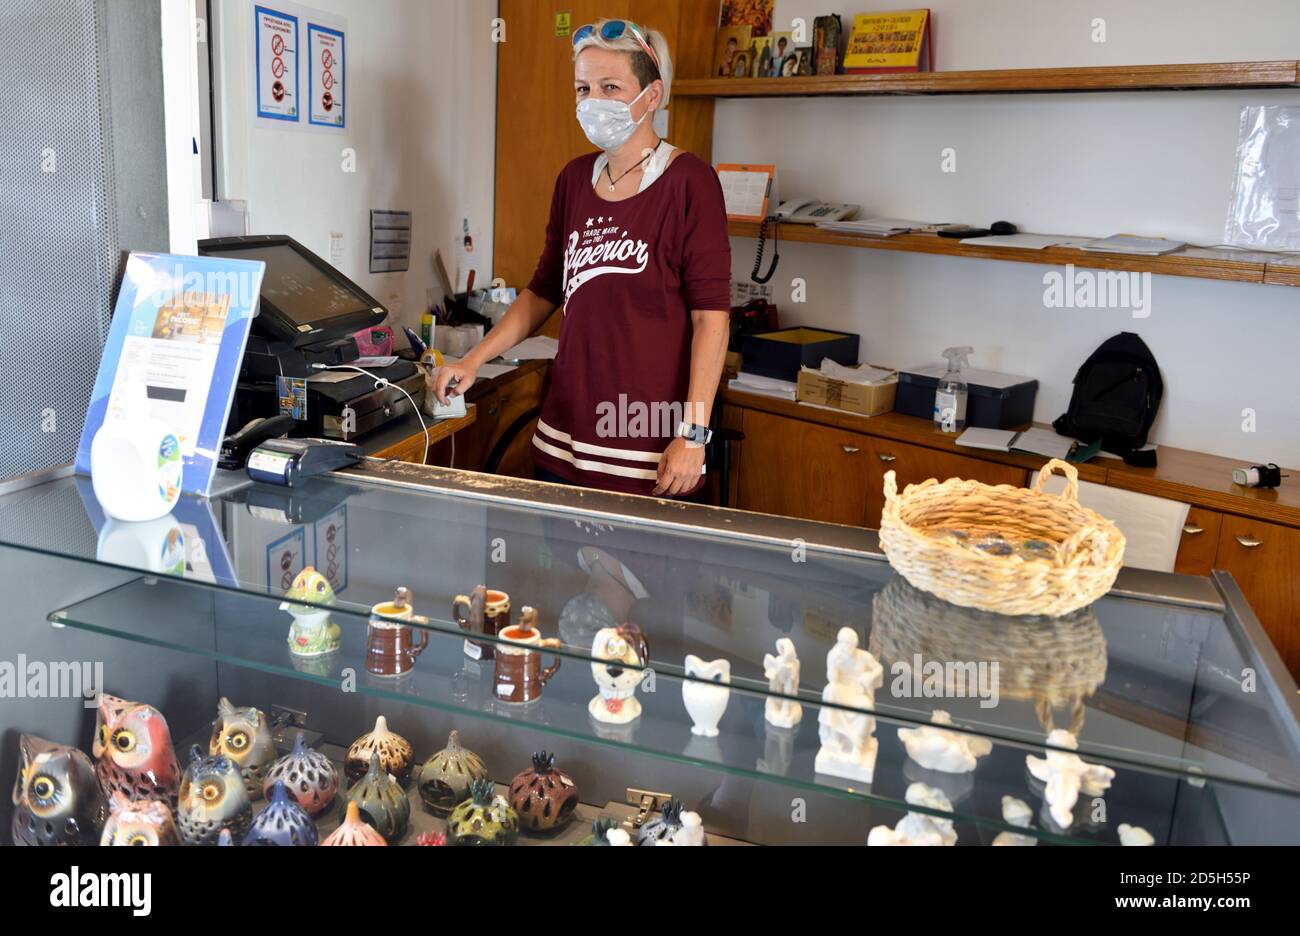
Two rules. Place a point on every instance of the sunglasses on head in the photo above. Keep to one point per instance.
(613, 30)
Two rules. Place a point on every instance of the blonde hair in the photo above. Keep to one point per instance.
(628, 43)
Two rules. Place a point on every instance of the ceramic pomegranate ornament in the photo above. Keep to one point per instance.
(244, 735)
(133, 751)
(212, 798)
(354, 830)
(139, 822)
(283, 822)
(445, 777)
(483, 819)
(57, 799)
(395, 753)
(308, 776)
(543, 796)
(381, 801)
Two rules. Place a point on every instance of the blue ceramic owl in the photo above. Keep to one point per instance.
(57, 800)
(283, 822)
(212, 798)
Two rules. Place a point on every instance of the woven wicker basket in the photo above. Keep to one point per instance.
(1053, 662)
(1088, 549)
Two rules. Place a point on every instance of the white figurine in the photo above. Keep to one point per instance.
(706, 703)
(782, 672)
(1015, 812)
(691, 832)
(943, 750)
(618, 837)
(847, 746)
(918, 828)
(612, 652)
(1066, 776)
(1134, 835)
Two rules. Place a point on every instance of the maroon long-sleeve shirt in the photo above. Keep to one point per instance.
(628, 274)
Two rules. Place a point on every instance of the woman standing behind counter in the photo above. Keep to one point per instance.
(637, 253)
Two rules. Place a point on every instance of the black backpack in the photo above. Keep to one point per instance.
(1116, 395)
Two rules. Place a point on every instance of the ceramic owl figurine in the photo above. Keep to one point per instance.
(244, 735)
(139, 822)
(312, 633)
(57, 800)
(212, 798)
(133, 751)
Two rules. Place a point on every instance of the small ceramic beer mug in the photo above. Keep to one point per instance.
(485, 611)
(391, 648)
(520, 676)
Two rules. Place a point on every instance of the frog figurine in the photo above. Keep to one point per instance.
(312, 633)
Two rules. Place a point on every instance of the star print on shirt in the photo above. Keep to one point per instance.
(590, 222)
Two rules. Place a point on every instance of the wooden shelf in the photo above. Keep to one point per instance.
(1209, 76)
(1236, 266)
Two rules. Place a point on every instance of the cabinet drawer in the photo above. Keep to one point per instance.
(1264, 558)
(801, 469)
(1199, 543)
(913, 464)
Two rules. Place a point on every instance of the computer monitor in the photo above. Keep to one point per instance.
(304, 300)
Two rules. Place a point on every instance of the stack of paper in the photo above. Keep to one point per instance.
(873, 227)
(768, 386)
(538, 348)
(1140, 246)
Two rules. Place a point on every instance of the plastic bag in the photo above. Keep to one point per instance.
(1265, 208)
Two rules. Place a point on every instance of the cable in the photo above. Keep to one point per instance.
(382, 383)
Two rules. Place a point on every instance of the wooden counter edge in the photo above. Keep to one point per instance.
(1195, 478)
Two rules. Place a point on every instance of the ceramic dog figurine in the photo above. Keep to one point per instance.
(613, 651)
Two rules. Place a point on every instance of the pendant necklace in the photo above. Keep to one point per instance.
(613, 181)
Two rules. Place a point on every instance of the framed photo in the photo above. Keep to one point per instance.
(741, 64)
(755, 14)
(826, 45)
(803, 63)
(761, 63)
(732, 41)
(782, 47)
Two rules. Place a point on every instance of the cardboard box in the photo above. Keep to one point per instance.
(864, 399)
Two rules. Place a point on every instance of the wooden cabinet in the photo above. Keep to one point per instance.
(1264, 558)
(913, 464)
(796, 468)
(1199, 543)
(802, 469)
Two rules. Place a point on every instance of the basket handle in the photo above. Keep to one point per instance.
(1071, 493)
(891, 487)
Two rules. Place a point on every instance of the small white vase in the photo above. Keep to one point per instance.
(705, 703)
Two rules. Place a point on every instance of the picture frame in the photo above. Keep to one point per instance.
(732, 40)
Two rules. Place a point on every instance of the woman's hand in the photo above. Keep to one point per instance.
(679, 468)
(462, 374)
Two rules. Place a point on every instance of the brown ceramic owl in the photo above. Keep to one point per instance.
(57, 800)
(133, 751)
(244, 735)
(139, 822)
(212, 799)
(395, 753)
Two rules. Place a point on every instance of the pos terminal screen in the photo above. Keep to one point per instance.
(298, 288)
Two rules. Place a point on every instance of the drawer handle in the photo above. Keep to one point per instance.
(1249, 542)
(1191, 529)
(887, 459)
(850, 449)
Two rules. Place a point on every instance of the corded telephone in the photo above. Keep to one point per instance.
(796, 211)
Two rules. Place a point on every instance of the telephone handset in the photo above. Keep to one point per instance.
(797, 211)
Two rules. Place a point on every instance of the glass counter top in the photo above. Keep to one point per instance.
(1163, 679)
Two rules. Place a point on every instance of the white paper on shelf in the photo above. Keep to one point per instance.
(537, 348)
(1022, 241)
(1140, 246)
(993, 440)
(769, 386)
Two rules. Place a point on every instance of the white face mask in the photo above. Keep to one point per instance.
(609, 124)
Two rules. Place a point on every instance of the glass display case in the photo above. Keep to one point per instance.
(649, 647)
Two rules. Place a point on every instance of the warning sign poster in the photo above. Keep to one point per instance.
(277, 65)
(325, 50)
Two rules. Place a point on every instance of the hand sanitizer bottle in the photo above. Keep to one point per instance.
(950, 396)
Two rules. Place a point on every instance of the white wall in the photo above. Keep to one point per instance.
(1156, 163)
(421, 85)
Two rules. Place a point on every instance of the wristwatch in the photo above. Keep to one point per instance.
(694, 434)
